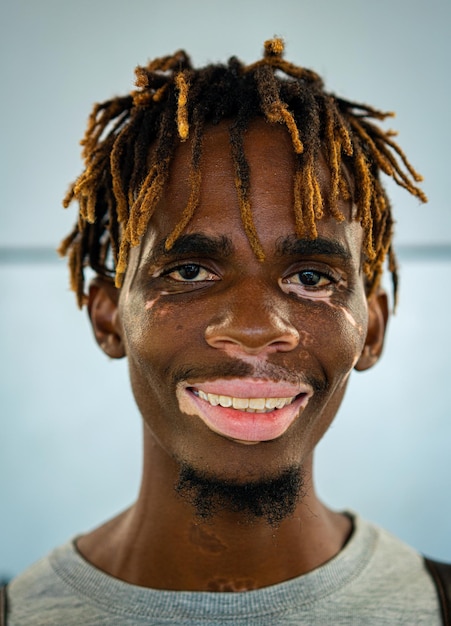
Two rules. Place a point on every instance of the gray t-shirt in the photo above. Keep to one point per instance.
(374, 580)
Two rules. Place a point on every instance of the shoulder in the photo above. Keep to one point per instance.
(41, 591)
(395, 581)
(65, 589)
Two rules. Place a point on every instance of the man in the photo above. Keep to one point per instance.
(237, 225)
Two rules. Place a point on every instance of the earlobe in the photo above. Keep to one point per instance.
(103, 313)
(377, 325)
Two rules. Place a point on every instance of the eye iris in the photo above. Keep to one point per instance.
(188, 272)
(309, 278)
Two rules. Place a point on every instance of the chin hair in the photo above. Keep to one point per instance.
(272, 499)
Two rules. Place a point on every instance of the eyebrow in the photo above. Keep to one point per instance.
(196, 244)
(291, 246)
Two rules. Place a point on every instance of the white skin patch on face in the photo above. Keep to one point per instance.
(150, 303)
(249, 359)
(184, 405)
(187, 408)
(305, 338)
(323, 298)
(229, 407)
(349, 317)
(327, 300)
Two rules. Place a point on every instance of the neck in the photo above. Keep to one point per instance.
(161, 543)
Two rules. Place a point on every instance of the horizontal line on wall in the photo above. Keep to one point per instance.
(28, 254)
(427, 252)
(20, 255)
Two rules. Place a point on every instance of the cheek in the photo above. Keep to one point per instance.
(334, 332)
(162, 338)
(351, 325)
(156, 340)
(153, 329)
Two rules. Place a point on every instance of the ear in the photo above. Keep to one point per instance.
(377, 325)
(103, 312)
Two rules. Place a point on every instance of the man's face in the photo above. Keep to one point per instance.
(238, 366)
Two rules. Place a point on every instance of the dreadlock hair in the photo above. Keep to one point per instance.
(119, 189)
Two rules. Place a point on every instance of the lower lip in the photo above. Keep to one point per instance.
(246, 427)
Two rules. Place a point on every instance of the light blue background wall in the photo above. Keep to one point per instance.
(70, 434)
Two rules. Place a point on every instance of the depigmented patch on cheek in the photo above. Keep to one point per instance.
(151, 302)
(326, 299)
(349, 317)
(305, 338)
(159, 308)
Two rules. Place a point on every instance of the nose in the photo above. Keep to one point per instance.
(252, 324)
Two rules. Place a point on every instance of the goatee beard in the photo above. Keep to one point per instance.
(272, 499)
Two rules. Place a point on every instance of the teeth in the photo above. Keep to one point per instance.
(225, 401)
(257, 403)
(250, 405)
(273, 403)
(240, 403)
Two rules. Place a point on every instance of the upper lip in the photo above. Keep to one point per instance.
(250, 388)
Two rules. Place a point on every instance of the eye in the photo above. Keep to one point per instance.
(189, 272)
(310, 278)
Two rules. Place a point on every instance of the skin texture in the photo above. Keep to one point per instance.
(209, 315)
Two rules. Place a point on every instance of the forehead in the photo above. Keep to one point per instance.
(269, 153)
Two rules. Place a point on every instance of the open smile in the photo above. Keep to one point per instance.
(250, 405)
(244, 411)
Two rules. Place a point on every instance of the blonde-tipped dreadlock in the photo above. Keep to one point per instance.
(120, 189)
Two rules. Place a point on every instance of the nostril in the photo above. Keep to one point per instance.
(252, 341)
(253, 322)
